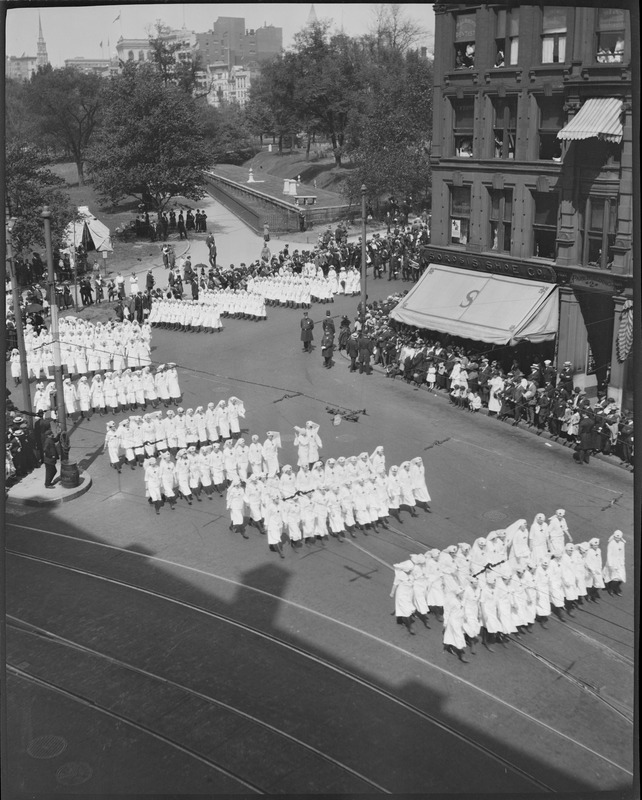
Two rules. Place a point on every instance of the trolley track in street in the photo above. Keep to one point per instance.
(402, 704)
(45, 636)
(560, 670)
(24, 675)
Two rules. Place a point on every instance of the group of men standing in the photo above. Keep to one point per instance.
(167, 223)
(327, 342)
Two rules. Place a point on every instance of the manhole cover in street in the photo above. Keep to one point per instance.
(493, 516)
(74, 773)
(47, 746)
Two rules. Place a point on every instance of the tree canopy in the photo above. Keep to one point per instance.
(65, 105)
(176, 65)
(29, 186)
(152, 144)
(390, 134)
(371, 96)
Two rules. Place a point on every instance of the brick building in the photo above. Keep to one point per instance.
(231, 42)
(532, 166)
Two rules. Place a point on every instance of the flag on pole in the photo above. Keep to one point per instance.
(117, 18)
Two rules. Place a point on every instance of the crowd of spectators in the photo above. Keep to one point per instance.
(529, 391)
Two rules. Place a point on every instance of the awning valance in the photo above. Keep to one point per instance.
(488, 308)
(598, 117)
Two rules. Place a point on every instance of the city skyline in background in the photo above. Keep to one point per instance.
(92, 31)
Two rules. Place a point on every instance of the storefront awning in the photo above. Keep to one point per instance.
(487, 308)
(598, 117)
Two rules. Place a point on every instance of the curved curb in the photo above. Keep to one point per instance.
(60, 495)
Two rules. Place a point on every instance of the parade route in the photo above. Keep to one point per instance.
(203, 649)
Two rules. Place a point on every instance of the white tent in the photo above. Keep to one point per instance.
(88, 228)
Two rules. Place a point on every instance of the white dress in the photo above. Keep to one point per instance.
(454, 622)
(403, 594)
(614, 568)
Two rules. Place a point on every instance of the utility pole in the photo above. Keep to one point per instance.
(17, 313)
(61, 413)
(363, 257)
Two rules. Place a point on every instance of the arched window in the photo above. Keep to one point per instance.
(141, 55)
(130, 55)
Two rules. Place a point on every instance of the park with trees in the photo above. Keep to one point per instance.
(146, 134)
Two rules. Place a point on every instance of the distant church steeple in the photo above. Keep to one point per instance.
(312, 16)
(42, 59)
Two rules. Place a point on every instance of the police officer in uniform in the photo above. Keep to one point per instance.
(307, 326)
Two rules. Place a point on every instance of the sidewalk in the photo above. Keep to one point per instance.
(31, 491)
(523, 426)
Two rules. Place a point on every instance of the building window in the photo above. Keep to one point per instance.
(545, 224)
(141, 55)
(459, 214)
(130, 55)
(505, 127)
(464, 114)
(551, 122)
(610, 35)
(598, 233)
(506, 37)
(465, 41)
(501, 214)
(553, 35)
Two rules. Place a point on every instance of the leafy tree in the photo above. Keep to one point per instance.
(327, 73)
(152, 145)
(66, 105)
(29, 186)
(176, 64)
(258, 114)
(390, 130)
(19, 123)
(275, 90)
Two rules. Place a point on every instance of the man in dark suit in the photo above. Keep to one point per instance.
(582, 454)
(366, 349)
(352, 350)
(50, 457)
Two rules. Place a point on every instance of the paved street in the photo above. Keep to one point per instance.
(226, 669)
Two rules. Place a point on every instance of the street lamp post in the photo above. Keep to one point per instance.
(60, 396)
(363, 256)
(17, 313)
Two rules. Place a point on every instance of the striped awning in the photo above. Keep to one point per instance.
(598, 117)
(624, 342)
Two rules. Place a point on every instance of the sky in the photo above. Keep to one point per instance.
(75, 30)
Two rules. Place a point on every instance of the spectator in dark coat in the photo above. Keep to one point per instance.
(352, 350)
(582, 454)
(50, 458)
(366, 349)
